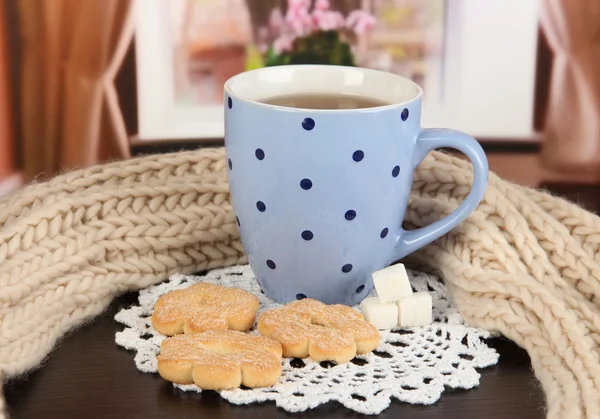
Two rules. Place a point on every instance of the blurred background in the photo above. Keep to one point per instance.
(87, 81)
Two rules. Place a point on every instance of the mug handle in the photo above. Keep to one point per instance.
(429, 140)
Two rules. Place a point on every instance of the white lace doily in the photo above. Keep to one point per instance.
(411, 365)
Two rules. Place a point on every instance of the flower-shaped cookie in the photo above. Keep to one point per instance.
(220, 359)
(202, 307)
(324, 332)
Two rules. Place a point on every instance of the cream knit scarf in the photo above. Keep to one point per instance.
(524, 264)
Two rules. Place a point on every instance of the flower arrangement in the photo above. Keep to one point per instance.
(316, 35)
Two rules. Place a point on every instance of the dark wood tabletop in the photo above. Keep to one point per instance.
(89, 376)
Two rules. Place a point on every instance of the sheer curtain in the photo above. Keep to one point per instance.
(71, 52)
(572, 132)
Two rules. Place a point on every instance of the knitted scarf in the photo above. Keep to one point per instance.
(524, 264)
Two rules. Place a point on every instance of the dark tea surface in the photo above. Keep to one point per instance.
(324, 101)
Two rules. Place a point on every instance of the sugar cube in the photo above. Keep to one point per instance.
(392, 283)
(381, 315)
(415, 310)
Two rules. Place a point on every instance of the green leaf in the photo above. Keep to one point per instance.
(321, 47)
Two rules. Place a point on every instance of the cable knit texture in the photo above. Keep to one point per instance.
(524, 264)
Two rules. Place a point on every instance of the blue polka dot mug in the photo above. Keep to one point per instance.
(320, 194)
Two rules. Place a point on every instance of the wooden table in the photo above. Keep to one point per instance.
(89, 376)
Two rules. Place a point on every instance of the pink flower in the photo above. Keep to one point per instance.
(328, 20)
(283, 44)
(263, 40)
(322, 5)
(298, 20)
(263, 33)
(298, 5)
(360, 21)
(276, 20)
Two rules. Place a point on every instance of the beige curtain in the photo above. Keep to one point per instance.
(71, 52)
(572, 133)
